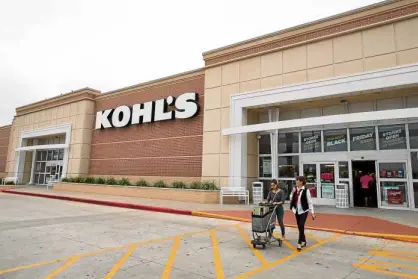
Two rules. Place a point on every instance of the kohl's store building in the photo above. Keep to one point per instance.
(329, 100)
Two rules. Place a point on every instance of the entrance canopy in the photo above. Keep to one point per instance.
(339, 87)
(326, 120)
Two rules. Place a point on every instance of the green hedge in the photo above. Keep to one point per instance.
(198, 185)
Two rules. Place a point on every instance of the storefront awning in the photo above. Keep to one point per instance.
(325, 120)
(42, 147)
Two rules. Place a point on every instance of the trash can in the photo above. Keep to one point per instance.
(257, 192)
(341, 196)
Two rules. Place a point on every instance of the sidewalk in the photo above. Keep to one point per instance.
(392, 224)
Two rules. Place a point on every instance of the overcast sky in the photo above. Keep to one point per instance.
(48, 47)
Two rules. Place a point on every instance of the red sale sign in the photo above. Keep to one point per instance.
(395, 196)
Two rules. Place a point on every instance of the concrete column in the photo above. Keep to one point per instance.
(238, 150)
(32, 170)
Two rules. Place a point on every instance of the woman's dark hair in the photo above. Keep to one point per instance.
(274, 181)
(301, 179)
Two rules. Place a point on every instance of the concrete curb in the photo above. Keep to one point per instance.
(104, 202)
(397, 237)
(405, 238)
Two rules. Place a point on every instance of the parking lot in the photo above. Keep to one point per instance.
(43, 238)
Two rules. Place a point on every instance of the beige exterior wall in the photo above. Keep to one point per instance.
(367, 50)
(81, 116)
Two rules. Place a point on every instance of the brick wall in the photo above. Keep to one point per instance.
(4, 144)
(168, 149)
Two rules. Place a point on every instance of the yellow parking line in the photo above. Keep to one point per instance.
(396, 254)
(286, 243)
(248, 241)
(384, 268)
(14, 269)
(285, 259)
(308, 235)
(371, 261)
(217, 256)
(62, 268)
(171, 258)
(121, 262)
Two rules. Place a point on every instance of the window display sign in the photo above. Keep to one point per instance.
(327, 190)
(335, 140)
(311, 142)
(392, 137)
(267, 166)
(394, 196)
(362, 139)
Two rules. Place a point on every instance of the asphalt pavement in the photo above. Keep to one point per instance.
(44, 238)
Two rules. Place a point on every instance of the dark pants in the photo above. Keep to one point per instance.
(280, 215)
(301, 220)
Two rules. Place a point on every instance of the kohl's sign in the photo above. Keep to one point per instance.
(186, 106)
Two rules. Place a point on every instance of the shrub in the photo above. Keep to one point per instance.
(124, 182)
(195, 185)
(100, 180)
(9, 183)
(142, 182)
(89, 180)
(179, 184)
(65, 179)
(208, 185)
(160, 184)
(78, 179)
(111, 181)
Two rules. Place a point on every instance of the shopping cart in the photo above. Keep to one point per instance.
(263, 219)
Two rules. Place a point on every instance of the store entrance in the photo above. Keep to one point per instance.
(364, 183)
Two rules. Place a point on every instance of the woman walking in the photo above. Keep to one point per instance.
(301, 204)
(276, 197)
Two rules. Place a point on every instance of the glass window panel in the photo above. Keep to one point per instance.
(343, 169)
(38, 167)
(49, 155)
(36, 180)
(43, 166)
(311, 141)
(48, 169)
(44, 155)
(327, 172)
(414, 163)
(413, 135)
(288, 166)
(394, 193)
(288, 143)
(416, 194)
(265, 167)
(335, 140)
(47, 177)
(264, 144)
(61, 155)
(309, 171)
(38, 156)
(41, 178)
(392, 137)
(362, 139)
(287, 186)
(392, 170)
(55, 155)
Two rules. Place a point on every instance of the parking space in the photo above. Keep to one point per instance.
(42, 238)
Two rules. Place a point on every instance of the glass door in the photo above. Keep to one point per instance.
(320, 179)
(309, 172)
(327, 175)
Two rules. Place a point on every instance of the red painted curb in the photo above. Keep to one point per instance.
(103, 202)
